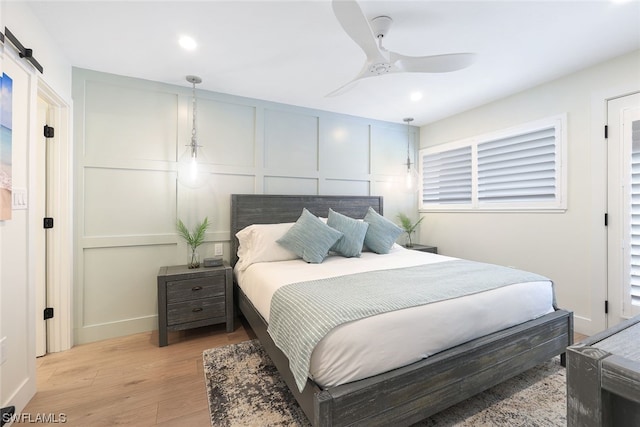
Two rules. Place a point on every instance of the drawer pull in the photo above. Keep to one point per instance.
(197, 309)
(196, 288)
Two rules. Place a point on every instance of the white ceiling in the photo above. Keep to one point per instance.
(295, 52)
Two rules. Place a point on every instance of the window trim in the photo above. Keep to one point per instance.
(559, 204)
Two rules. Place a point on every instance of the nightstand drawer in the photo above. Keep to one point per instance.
(205, 287)
(191, 311)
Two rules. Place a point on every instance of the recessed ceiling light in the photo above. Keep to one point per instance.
(416, 96)
(187, 42)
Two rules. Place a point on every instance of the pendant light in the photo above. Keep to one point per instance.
(190, 165)
(411, 177)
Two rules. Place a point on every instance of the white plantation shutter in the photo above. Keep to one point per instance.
(634, 258)
(519, 168)
(447, 177)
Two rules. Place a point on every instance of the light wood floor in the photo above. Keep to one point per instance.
(130, 380)
(578, 337)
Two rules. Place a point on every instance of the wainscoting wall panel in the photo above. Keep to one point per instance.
(118, 296)
(284, 185)
(346, 146)
(129, 134)
(128, 202)
(128, 123)
(290, 141)
(226, 130)
(344, 187)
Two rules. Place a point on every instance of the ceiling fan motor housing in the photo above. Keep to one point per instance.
(380, 25)
(380, 68)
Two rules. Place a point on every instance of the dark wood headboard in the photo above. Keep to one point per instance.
(247, 209)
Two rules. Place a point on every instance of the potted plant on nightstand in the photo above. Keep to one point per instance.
(408, 227)
(193, 239)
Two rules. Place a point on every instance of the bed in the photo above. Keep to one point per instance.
(411, 392)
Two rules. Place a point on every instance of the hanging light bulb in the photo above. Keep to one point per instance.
(190, 171)
(411, 177)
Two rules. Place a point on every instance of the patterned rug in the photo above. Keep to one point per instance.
(245, 389)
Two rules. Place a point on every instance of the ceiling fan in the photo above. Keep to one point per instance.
(381, 61)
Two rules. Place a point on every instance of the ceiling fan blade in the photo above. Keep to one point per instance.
(432, 64)
(364, 73)
(343, 89)
(355, 24)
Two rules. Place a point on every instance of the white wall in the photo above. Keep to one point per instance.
(129, 133)
(568, 247)
(17, 17)
(17, 375)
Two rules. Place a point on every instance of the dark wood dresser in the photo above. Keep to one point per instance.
(190, 298)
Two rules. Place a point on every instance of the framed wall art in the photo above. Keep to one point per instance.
(6, 113)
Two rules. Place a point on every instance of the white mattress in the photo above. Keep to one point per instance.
(376, 344)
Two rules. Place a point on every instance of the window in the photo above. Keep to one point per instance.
(447, 177)
(520, 168)
(633, 217)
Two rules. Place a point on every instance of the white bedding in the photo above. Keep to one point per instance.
(380, 343)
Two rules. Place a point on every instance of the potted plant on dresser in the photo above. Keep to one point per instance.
(194, 239)
(408, 227)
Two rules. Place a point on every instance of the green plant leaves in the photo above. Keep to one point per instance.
(195, 238)
(405, 223)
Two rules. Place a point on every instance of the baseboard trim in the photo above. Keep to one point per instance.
(584, 325)
(91, 333)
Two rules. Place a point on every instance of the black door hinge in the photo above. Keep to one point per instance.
(606, 307)
(606, 219)
(48, 131)
(47, 222)
(606, 131)
(48, 313)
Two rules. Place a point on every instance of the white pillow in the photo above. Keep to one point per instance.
(257, 243)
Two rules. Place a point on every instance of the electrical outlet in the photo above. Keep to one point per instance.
(217, 249)
(3, 352)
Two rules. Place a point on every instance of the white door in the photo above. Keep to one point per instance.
(54, 189)
(623, 292)
(41, 203)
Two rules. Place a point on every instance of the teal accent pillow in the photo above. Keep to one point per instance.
(381, 234)
(310, 238)
(353, 232)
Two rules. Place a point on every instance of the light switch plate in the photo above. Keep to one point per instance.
(19, 199)
(217, 249)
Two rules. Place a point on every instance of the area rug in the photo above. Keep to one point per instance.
(245, 389)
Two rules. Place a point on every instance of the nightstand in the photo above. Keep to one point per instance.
(424, 248)
(190, 298)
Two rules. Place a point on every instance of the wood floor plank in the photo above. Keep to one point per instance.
(130, 380)
(173, 408)
(200, 418)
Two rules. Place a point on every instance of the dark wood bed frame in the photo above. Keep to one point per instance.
(414, 392)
